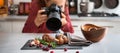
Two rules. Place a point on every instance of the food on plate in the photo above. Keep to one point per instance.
(36, 41)
(47, 38)
(59, 39)
(33, 43)
(46, 48)
(39, 43)
(48, 41)
(65, 39)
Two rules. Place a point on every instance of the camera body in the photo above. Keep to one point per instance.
(54, 17)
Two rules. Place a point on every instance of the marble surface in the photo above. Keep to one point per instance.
(12, 43)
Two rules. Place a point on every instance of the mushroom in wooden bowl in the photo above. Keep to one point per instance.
(93, 32)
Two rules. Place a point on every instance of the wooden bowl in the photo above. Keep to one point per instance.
(92, 32)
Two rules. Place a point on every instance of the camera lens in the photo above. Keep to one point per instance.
(54, 18)
(53, 24)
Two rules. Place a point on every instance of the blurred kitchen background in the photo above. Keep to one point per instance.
(13, 13)
(75, 6)
(95, 7)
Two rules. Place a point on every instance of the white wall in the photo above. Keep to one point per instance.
(17, 1)
(103, 8)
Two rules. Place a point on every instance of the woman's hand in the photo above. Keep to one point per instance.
(40, 18)
(63, 19)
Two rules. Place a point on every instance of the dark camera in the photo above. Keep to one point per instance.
(54, 17)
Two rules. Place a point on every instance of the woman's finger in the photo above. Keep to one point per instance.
(43, 15)
(41, 11)
(63, 15)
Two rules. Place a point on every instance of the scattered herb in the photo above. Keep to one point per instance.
(53, 44)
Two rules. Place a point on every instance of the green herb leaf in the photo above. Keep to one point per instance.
(53, 44)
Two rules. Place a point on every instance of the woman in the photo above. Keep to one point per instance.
(36, 22)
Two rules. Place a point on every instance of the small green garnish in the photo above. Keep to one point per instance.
(53, 44)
